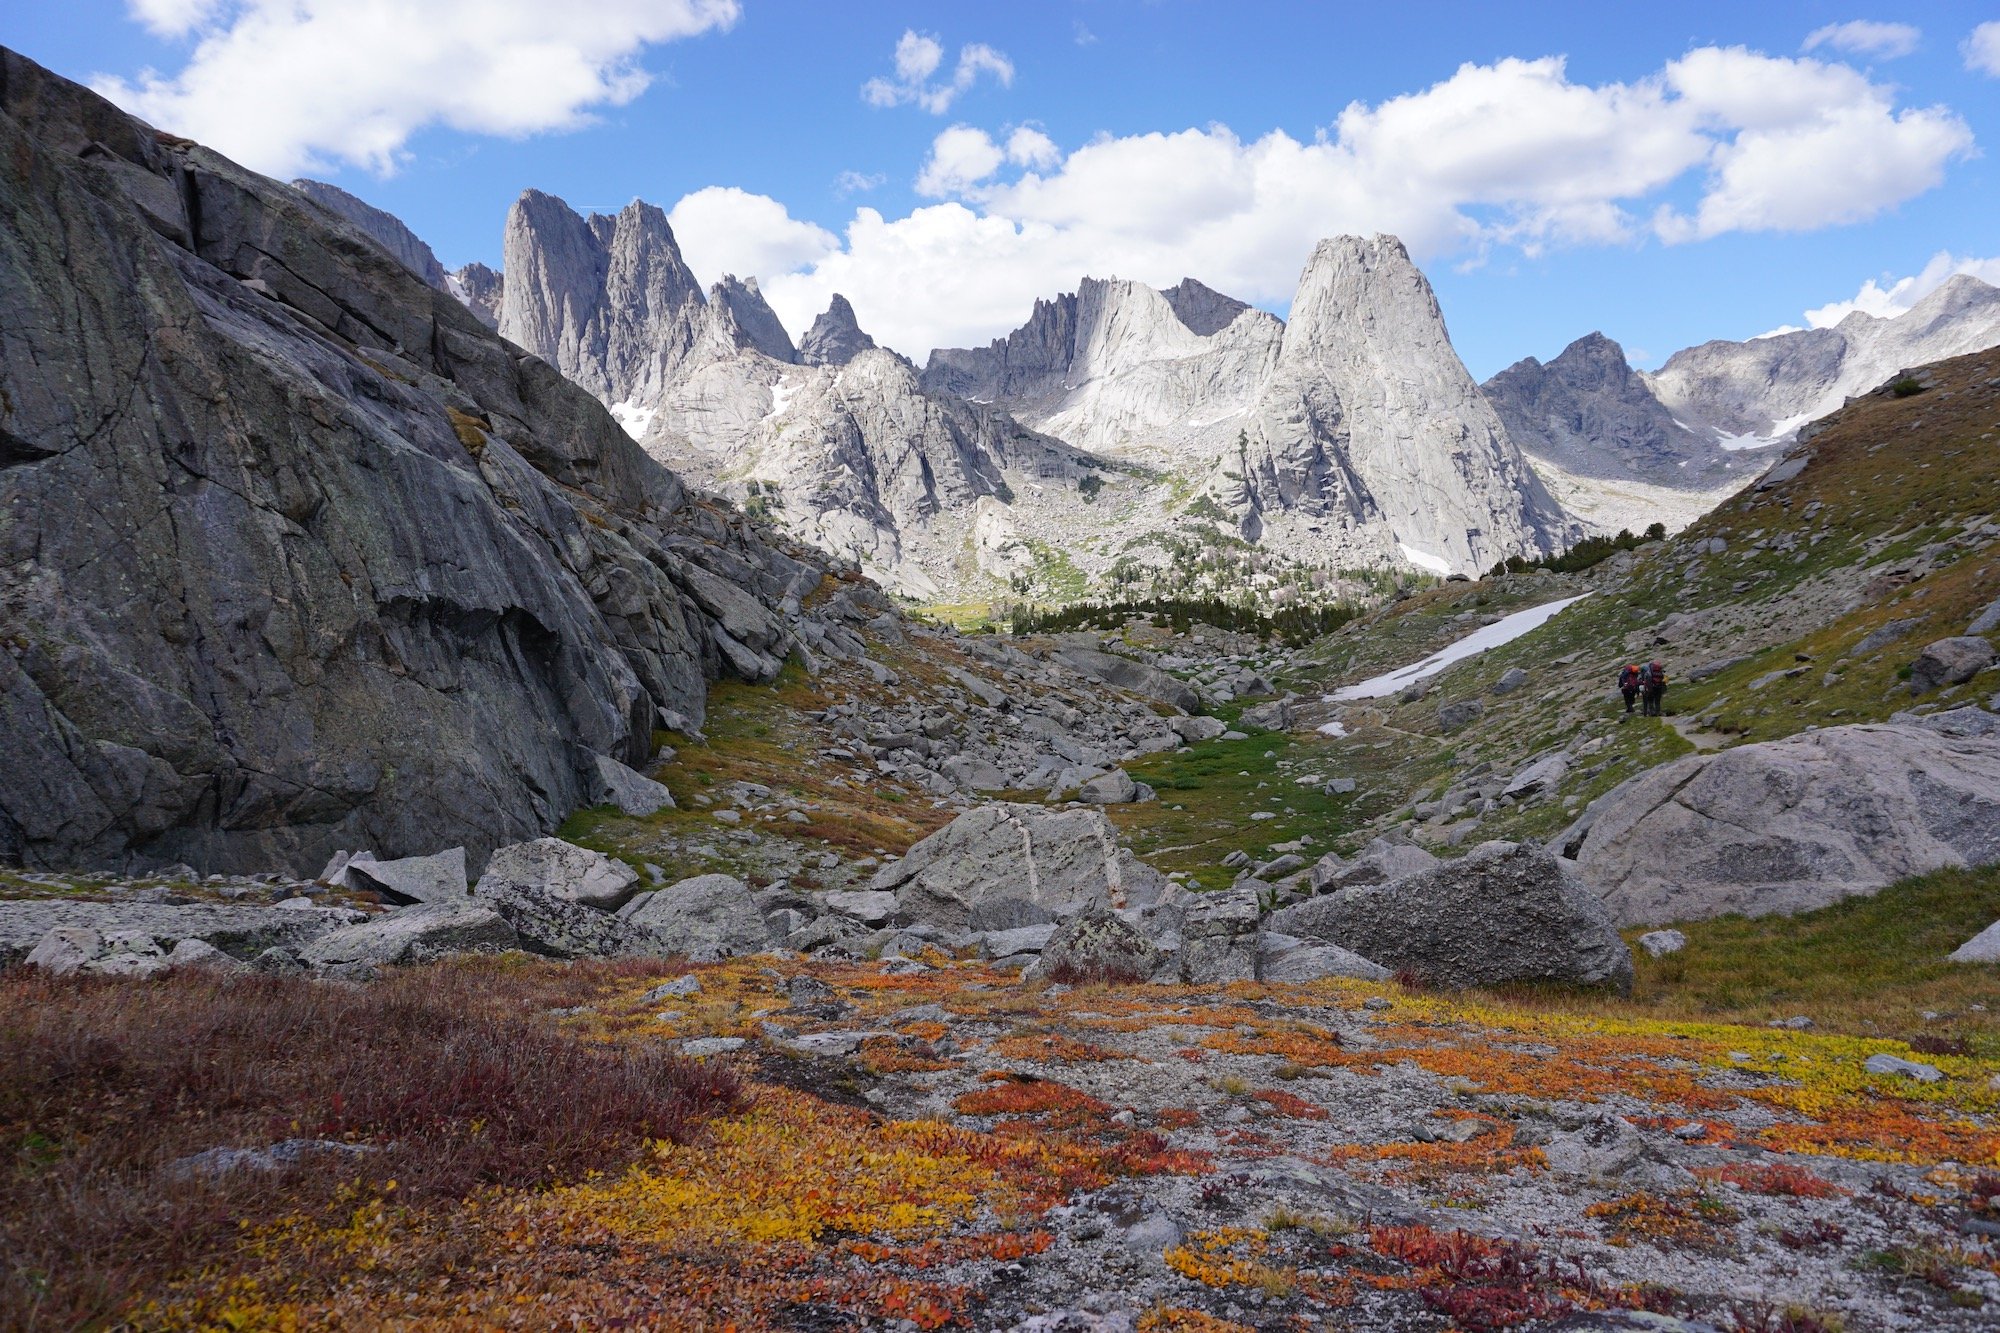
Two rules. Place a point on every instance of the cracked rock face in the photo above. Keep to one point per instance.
(1790, 825)
(295, 554)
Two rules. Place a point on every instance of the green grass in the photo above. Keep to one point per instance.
(1864, 966)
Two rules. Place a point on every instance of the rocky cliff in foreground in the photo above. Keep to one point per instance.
(295, 554)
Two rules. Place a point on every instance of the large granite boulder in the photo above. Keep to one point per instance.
(412, 935)
(1789, 825)
(1379, 862)
(1503, 912)
(1003, 865)
(1127, 674)
(295, 553)
(1096, 948)
(706, 917)
(561, 870)
(1949, 662)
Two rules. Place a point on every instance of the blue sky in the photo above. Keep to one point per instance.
(1664, 173)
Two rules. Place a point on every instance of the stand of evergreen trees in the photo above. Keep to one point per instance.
(1581, 556)
(1293, 624)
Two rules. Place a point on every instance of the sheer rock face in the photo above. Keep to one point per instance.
(1763, 390)
(386, 229)
(835, 338)
(481, 289)
(1346, 435)
(1590, 414)
(294, 553)
(757, 325)
(605, 300)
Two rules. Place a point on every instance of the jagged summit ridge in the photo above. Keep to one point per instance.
(386, 229)
(606, 300)
(835, 338)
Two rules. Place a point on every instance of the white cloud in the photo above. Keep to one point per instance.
(285, 86)
(1885, 302)
(1511, 154)
(726, 230)
(919, 56)
(1982, 49)
(856, 182)
(960, 159)
(1865, 37)
(172, 18)
(1084, 36)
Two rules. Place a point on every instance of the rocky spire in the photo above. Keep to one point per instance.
(385, 229)
(481, 289)
(1590, 415)
(1203, 309)
(608, 300)
(756, 323)
(835, 338)
(1367, 369)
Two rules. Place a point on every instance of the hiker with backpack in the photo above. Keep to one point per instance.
(1653, 687)
(1628, 684)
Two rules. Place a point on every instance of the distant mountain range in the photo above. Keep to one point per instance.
(1119, 422)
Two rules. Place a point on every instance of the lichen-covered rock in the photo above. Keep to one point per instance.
(413, 935)
(561, 870)
(1501, 913)
(439, 877)
(1003, 865)
(706, 917)
(1096, 947)
(1949, 662)
(240, 931)
(1219, 937)
(631, 791)
(1790, 825)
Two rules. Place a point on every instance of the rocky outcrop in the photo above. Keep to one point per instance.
(295, 554)
(753, 316)
(835, 338)
(1137, 677)
(240, 931)
(1591, 415)
(1789, 825)
(1001, 866)
(706, 917)
(1501, 913)
(412, 935)
(1203, 309)
(385, 229)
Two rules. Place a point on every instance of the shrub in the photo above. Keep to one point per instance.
(444, 1076)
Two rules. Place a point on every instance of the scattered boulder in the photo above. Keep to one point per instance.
(564, 928)
(1513, 678)
(239, 930)
(1503, 912)
(1986, 621)
(706, 917)
(204, 956)
(1910, 1069)
(65, 950)
(632, 792)
(1095, 946)
(1288, 959)
(972, 773)
(1881, 637)
(1969, 720)
(1003, 865)
(1380, 861)
(1113, 788)
(1458, 716)
(562, 870)
(1219, 937)
(1981, 948)
(1198, 728)
(871, 907)
(1277, 715)
(1660, 943)
(1127, 674)
(1538, 778)
(1789, 825)
(1022, 939)
(439, 877)
(1611, 1149)
(413, 935)
(1949, 662)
